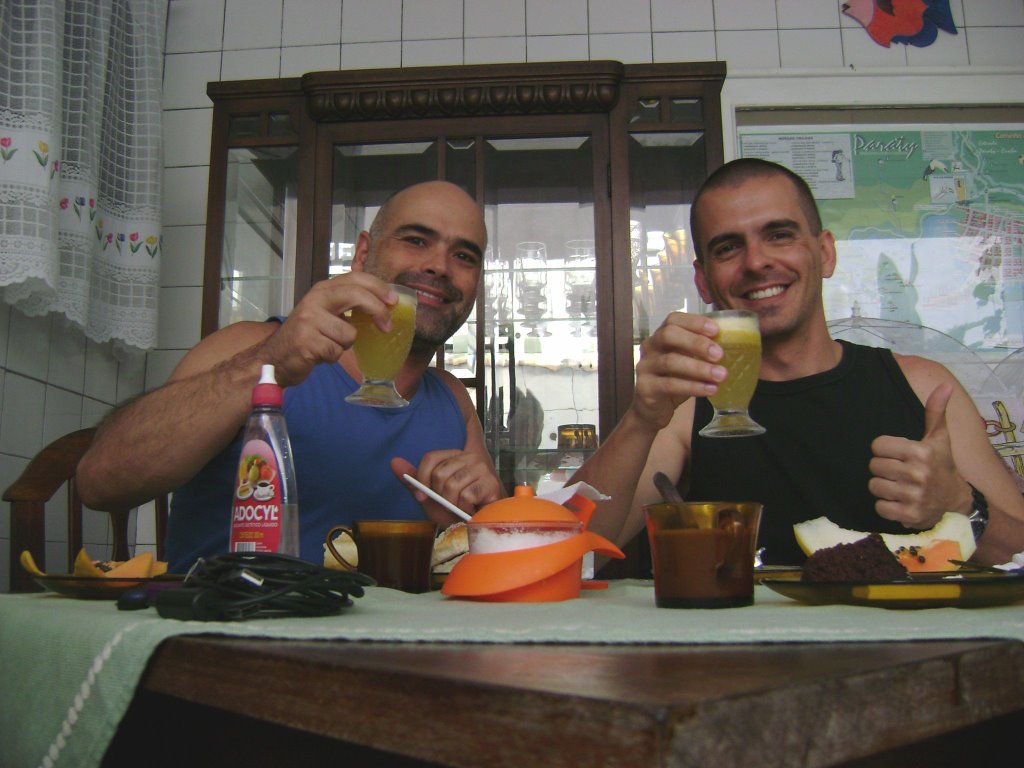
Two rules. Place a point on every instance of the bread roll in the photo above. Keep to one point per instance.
(449, 545)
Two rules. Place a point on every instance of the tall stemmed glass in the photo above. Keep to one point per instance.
(739, 336)
(381, 355)
(531, 273)
(580, 264)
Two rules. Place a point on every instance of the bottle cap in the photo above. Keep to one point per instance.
(266, 391)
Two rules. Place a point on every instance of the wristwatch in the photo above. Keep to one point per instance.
(979, 512)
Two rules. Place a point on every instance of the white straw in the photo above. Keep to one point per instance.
(437, 497)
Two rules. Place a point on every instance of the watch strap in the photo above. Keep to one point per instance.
(979, 512)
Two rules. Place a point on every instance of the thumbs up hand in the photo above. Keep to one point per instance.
(915, 482)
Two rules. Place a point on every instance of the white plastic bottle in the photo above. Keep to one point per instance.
(265, 508)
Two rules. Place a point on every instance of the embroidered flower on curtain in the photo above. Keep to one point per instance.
(80, 162)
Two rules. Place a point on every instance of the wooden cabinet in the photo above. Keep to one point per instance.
(584, 172)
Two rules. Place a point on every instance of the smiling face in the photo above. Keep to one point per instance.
(760, 252)
(431, 238)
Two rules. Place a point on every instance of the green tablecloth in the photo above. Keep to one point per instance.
(69, 668)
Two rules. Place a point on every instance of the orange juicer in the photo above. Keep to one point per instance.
(527, 550)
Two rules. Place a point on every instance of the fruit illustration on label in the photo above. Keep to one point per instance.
(256, 513)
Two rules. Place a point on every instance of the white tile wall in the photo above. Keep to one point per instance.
(252, 23)
(180, 310)
(606, 16)
(186, 76)
(181, 261)
(807, 14)
(494, 18)
(29, 335)
(995, 46)
(296, 62)
(682, 15)
(745, 14)
(494, 50)
(684, 46)
(428, 53)
(627, 47)
(62, 413)
(557, 48)
(184, 195)
(751, 49)
(311, 22)
(993, 13)
(243, 39)
(556, 17)
(253, 64)
(21, 418)
(807, 48)
(187, 136)
(100, 372)
(195, 25)
(66, 358)
(431, 19)
(371, 55)
(366, 21)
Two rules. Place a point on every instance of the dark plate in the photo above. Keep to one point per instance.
(923, 590)
(98, 588)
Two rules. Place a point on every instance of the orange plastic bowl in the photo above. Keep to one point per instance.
(539, 574)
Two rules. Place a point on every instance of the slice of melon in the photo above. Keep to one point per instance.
(821, 532)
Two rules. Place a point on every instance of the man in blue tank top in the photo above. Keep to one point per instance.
(348, 458)
(874, 441)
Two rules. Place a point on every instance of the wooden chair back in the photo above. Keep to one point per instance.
(45, 474)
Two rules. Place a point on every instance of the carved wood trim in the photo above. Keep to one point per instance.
(463, 91)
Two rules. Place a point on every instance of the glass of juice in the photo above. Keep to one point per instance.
(381, 355)
(740, 337)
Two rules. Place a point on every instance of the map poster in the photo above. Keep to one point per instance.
(928, 220)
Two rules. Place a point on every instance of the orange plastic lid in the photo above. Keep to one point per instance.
(524, 507)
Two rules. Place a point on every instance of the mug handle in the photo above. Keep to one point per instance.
(330, 544)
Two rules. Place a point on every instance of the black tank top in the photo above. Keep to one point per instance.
(813, 459)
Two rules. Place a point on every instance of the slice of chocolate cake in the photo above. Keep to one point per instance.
(865, 560)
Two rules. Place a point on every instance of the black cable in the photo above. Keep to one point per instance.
(240, 586)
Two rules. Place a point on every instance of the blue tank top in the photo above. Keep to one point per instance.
(341, 453)
(813, 458)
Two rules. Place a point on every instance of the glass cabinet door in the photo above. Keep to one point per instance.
(258, 256)
(666, 166)
(528, 352)
(539, 306)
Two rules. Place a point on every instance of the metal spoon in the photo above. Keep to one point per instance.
(667, 488)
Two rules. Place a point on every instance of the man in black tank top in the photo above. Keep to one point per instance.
(874, 441)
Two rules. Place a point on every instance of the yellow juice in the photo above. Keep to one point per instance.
(380, 355)
(741, 342)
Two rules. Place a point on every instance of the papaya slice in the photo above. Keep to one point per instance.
(935, 556)
(139, 567)
(86, 566)
(29, 564)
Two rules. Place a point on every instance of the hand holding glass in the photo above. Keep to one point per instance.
(381, 355)
(740, 338)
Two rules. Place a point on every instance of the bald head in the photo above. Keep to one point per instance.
(443, 193)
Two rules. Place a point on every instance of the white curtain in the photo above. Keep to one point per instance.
(80, 162)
